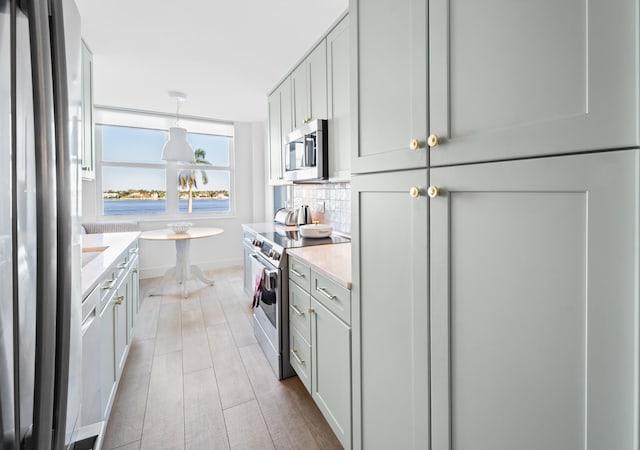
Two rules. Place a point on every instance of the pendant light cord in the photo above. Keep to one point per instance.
(177, 111)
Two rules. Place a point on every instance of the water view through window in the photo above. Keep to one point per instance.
(135, 178)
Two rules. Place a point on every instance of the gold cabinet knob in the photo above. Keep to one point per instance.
(311, 310)
(433, 191)
(415, 192)
(433, 140)
(414, 144)
(119, 299)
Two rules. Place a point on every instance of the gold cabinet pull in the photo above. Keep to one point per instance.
(119, 299)
(433, 140)
(433, 191)
(414, 144)
(311, 310)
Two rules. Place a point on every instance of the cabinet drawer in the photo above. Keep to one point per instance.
(300, 273)
(299, 303)
(334, 297)
(300, 357)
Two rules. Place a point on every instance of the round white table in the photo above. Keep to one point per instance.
(183, 268)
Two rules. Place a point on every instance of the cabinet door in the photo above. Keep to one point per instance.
(300, 93)
(534, 303)
(107, 355)
(92, 411)
(390, 79)
(502, 86)
(88, 153)
(339, 98)
(121, 305)
(275, 137)
(134, 297)
(390, 311)
(317, 81)
(331, 370)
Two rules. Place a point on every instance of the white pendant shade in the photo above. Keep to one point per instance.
(177, 148)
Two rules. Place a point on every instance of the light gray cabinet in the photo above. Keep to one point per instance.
(320, 343)
(134, 302)
(501, 87)
(280, 123)
(331, 369)
(534, 303)
(121, 322)
(389, 43)
(339, 99)
(309, 87)
(91, 390)
(390, 311)
(87, 140)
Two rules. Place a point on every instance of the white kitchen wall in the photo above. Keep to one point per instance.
(330, 203)
(251, 197)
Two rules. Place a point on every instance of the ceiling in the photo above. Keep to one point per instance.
(225, 55)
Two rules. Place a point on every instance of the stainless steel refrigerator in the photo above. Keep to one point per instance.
(39, 243)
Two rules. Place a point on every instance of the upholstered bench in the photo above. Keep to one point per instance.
(108, 227)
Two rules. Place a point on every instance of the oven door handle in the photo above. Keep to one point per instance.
(271, 275)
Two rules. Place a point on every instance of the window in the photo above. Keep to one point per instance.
(133, 180)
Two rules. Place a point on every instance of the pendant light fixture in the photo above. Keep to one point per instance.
(177, 148)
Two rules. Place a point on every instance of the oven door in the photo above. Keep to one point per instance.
(267, 313)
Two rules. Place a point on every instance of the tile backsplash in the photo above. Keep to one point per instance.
(330, 203)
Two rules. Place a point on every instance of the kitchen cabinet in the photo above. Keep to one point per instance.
(91, 391)
(309, 87)
(280, 124)
(331, 369)
(533, 294)
(107, 350)
(390, 311)
(339, 99)
(87, 138)
(389, 111)
(499, 88)
(320, 343)
(109, 313)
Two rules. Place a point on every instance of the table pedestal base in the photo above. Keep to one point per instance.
(183, 270)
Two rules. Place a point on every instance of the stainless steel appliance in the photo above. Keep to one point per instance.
(304, 215)
(40, 344)
(306, 152)
(271, 314)
(286, 216)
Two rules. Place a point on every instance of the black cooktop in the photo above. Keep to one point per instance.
(293, 239)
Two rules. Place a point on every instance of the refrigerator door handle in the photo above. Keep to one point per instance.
(46, 280)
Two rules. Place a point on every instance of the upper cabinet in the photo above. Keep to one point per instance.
(389, 112)
(498, 87)
(279, 125)
(309, 87)
(501, 87)
(339, 99)
(317, 88)
(87, 152)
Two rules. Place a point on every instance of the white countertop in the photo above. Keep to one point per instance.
(116, 244)
(331, 260)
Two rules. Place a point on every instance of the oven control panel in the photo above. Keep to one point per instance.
(272, 252)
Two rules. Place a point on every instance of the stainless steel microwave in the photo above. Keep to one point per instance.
(305, 151)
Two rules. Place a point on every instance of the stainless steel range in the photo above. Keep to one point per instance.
(269, 271)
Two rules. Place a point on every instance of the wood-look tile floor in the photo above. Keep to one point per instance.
(195, 378)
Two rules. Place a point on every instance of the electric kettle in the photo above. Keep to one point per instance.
(304, 215)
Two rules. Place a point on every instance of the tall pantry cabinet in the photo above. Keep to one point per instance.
(496, 222)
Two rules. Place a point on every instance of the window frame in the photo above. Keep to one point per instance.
(156, 121)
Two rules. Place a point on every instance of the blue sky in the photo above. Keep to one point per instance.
(145, 145)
